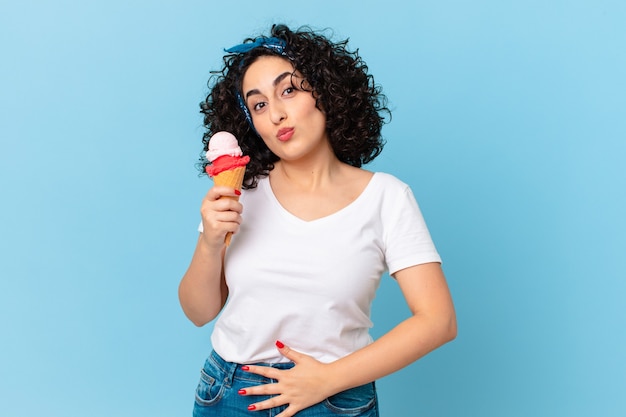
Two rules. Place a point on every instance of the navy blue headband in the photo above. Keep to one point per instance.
(274, 44)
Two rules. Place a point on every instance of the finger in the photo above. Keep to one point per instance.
(227, 216)
(218, 191)
(221, 205)
(276, 401)
(265, 389)
(217, 219)
(289, 353)
(266, 371)
(224, 202)
(288, 412)
(217, 224)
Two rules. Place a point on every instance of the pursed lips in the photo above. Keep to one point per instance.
(285, 134)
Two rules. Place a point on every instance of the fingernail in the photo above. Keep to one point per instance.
(279, 344)
(252, 407)
(245, 368)
(237, 192)
(242, 392)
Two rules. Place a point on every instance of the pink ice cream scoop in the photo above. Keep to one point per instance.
(224, 154)
(228, 165)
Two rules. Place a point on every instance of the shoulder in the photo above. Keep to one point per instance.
(394, 196)
(373, 178)
(389, 183)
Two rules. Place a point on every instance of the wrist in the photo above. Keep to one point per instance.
(338, 378)
(210, 247)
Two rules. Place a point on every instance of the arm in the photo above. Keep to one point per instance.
(431, 324)
(202, 291)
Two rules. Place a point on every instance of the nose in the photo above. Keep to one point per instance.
(277, 112)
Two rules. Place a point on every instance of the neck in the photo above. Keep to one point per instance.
(307, 175)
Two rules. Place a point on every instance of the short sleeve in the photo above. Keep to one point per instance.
(407, 239)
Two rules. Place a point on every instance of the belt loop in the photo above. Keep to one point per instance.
(230, 370)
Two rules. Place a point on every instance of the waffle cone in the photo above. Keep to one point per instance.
(232, 178)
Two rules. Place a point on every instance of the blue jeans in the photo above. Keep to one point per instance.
(220, 380)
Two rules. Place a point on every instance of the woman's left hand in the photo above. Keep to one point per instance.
(302, 386)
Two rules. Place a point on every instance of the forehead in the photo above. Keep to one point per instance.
(264, 70)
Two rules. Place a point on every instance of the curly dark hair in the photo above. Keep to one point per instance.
(353, 104)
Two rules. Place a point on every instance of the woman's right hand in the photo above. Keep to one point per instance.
(203, 290)
(221, 214)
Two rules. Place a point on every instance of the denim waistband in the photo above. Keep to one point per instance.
(233, 370)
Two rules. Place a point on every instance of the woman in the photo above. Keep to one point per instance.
(313, 233)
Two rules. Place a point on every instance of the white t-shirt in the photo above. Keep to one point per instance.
(310, 284)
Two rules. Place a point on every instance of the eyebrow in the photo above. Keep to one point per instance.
(276, 81)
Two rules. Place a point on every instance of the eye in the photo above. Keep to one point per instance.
(289, 90)
(258, 106)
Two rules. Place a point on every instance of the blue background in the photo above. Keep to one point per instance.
(509, 124)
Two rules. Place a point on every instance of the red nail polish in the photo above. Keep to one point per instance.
(279, 344)
(242, 392)
(237, 192)
(245, 368)
(252, 407)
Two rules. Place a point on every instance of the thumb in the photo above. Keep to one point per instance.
(289, 353)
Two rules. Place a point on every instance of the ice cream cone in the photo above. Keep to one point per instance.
(227, 164)
(230, 178)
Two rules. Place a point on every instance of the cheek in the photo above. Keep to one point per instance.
(260, 124)
(318, 118)
(264, 130)
(270, 145)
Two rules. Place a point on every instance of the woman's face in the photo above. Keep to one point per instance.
(284, 115)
